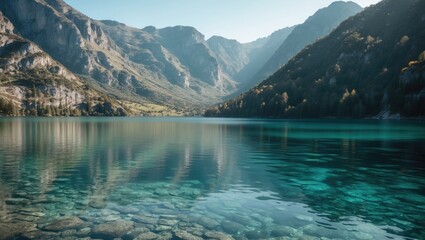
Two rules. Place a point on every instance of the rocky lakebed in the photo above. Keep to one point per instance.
(155, 211)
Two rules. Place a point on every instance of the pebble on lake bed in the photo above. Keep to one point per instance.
(218, 235)
(146, 236)
(208, 222)
(64, 224)
(185, 235)
(112, 229)
(13, 230)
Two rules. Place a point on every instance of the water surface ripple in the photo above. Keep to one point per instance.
(195, 178)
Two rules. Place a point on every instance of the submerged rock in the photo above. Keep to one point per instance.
(98, 204)
(64, 224)
(83, 232)
(146, 236)
(137, 231)
(245, 221)
(24, 218)
(162, 192)
(145, 219)
(112, 229)
(31, 210)
(13, 230)
(167, 222)
(217, 235)
(168, 217)
(69, 233)
(34, 214)
(126, 209)
(256, 234)
(208, 222)
(16, 201)
(111, 218)
(283, 231)
(180, 234)
(165, 236)
(306, 237)
(162, 228)
(232, 227)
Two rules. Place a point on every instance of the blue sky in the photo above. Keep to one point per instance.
(243, 20)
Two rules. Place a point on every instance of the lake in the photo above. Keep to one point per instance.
(197, 178)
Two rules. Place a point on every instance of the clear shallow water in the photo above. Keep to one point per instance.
(188, 178)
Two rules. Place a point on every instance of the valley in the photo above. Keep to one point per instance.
(174, 68)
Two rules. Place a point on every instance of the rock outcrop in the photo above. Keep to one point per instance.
(32, 82)
(5, 25)
(173, 66)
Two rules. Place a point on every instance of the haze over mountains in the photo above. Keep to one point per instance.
(319, 25)
(372, 65)
(175, 67)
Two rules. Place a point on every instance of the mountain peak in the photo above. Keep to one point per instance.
(335, 9)
(149, 29)
(112, 23)
(344, 3)
(216, 38)
(363, 68)
(316, 26)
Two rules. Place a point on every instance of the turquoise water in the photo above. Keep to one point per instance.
(193, 178)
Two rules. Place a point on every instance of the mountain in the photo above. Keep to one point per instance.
(318, 25)
(231, 54)
(179, 58)
(260, 51)
(240, 61)
(372, 65)
(32, 83)
(171, 66)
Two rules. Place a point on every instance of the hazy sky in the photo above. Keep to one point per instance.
(244, 20)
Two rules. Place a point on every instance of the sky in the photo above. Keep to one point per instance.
(243, 20)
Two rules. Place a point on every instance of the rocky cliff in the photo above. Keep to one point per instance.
(179, 55)
(83, 46)
(231, 55)
(32, 83)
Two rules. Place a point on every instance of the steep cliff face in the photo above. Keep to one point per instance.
(179, 55)
(190, 47)
(18, 54)
(173, 66)
(32, 83)
(231, 55)
(69, 37)
(141, 47)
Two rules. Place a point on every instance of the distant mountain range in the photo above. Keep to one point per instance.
(372, 65)
(317, 26)
(116, 69)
